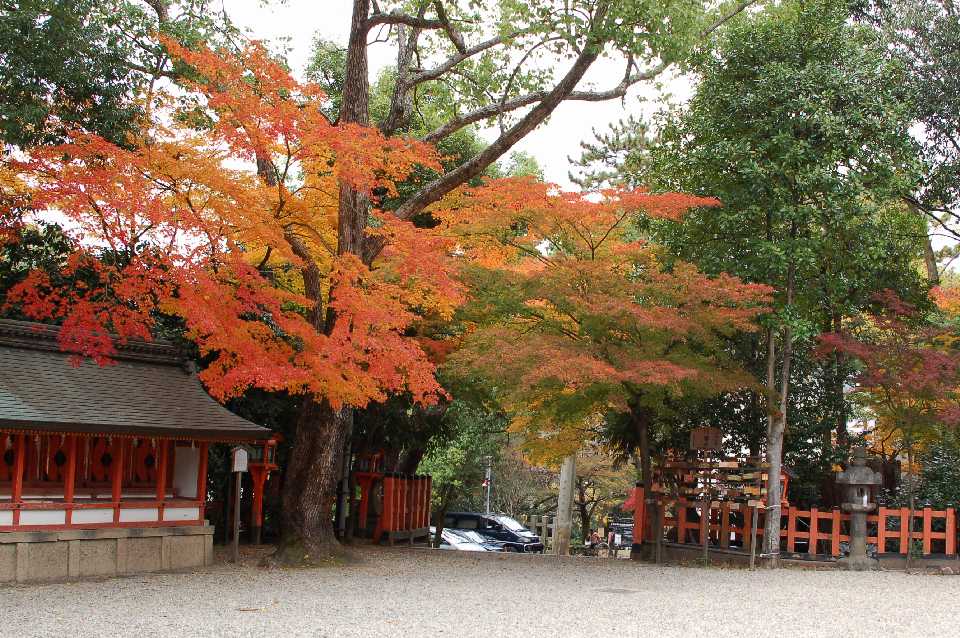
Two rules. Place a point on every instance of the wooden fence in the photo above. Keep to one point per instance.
(813, 532)
(406, 508)
(542, 526)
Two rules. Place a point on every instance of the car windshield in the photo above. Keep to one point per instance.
(510, 524)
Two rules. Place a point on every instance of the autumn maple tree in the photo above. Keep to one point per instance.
(224, 213)
(576, 315)
(909, 370)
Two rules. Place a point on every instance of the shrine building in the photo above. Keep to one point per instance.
(103, 469)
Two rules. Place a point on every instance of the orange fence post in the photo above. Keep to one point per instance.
(747, 536)
(881, 530)
(814, 531)
(387, 516)
(724, 525)
(639, 510)
(927, 529)
(835, 532)
(681, 515)
(906, 530)
(951, 532)
(704, 523)
(791, 529)
(426, 516)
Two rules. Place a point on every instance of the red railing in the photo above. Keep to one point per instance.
(813, 532)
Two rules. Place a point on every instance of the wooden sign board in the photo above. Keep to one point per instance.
(239, 459)
(706, 438)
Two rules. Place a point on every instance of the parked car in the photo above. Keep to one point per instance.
(496, 527)
(450, 539)
(475, 537)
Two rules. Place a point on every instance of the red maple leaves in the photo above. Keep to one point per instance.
(218, 214)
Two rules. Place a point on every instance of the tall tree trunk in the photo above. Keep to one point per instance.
(777, 429)
(843, 437)
(564, 521)
(641, 421)
(310, 487)
(913, 504)
(315, 465)
(582, 511)
(440, 515)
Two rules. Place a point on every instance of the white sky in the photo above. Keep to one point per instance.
(299, 20)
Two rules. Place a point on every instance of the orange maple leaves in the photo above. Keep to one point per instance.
(171, 223)
(585, 315)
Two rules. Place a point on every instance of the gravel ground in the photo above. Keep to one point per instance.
(412, 593)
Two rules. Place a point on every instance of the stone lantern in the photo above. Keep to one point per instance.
(858, 478)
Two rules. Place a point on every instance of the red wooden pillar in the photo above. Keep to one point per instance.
(19, 458)
(163, 454)
(258, 476)
(116, 476)
(385, 524)
(202, 480)
(906, 530)
(748, 526)
(791, 529)
(70, 476)
(426, 514)
(638, 510)
(724, 532)
(835, 532)
(422, 503)
(411, 501)
(951, 540)
(927, 530)
(881, 530)
(814, 529)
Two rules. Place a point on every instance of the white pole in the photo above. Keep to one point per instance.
(489, 477)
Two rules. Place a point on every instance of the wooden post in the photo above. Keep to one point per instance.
(116, 476)
(564, 520)
(814, 530)
(753, 536)
(20, 443)
(906, 530)
(927, 529)
(258, 477)
(681, 516)
(705, 530)
(791, 529)
(725, 525)
(239, 463)
(202, 479)
(70, 475)
(235, 543)
(951, 532)
(881, 530)
(835, 532)
(163, 450)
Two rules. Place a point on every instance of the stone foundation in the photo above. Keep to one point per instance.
(95, 553)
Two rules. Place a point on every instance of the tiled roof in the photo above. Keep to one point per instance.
(149, 390)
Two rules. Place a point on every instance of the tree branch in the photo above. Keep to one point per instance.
(396, 17)
(449, 63)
